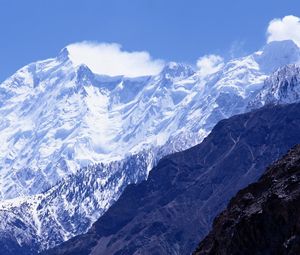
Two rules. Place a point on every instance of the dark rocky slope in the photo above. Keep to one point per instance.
(264, 218)
(10, 246)
(174, 209)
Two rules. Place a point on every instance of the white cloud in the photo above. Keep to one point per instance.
(110, 59)
(287, 28)
(209, 64)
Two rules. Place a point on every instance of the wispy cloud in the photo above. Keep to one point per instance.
(287, 28)
(111, 59)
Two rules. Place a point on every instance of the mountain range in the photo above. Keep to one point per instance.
(73, 140)
(174, 208)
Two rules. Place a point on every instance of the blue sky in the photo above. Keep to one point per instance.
(179, 30)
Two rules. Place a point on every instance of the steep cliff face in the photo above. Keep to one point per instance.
(175, 207)
(264, 218)
(282, 87)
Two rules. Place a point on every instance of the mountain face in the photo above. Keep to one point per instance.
(70, 207)
(57, 117)
(262, 218)
(175, 207)
(73, 140)
(282, 87)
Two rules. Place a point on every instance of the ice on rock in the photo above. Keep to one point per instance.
(282, 87)
(177, 71)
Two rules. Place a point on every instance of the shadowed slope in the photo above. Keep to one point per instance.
(175, 207)
(264, 217)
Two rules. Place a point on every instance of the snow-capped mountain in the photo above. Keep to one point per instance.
(55, 119)
(282, 87)
(80, 138)
(58, 118)
(70, 207)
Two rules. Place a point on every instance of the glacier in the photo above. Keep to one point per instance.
(72, 140)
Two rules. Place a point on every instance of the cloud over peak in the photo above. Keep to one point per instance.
(209, 64)
(287, 28)
(110, 59)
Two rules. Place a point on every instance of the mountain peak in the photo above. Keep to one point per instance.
(282, 87)
(174, 69)
(276, 45)
(277, 54)
(84, 75)
(84, 70)
(63, 55)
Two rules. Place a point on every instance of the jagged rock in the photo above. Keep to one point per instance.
(263, 218)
